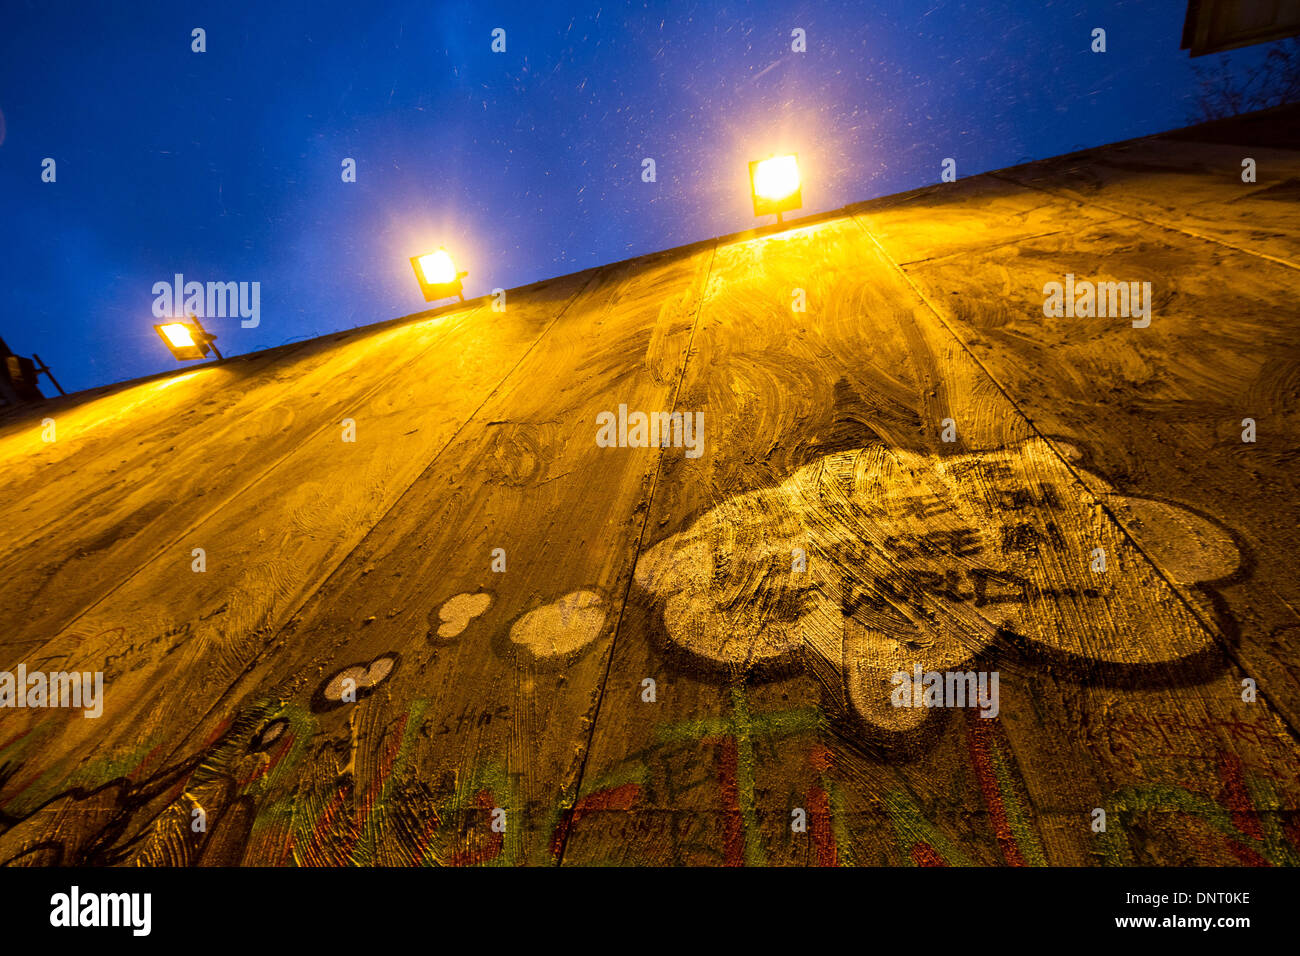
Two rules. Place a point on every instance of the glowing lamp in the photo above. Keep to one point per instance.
(187, 340)
(774, 184)
(437, 275)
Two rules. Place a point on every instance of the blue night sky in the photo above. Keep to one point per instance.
(225, 165)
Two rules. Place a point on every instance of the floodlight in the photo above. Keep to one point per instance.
(187, 340)
(775, 186)
(437, 275)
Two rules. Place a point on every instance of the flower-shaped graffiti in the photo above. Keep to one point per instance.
(872, 562)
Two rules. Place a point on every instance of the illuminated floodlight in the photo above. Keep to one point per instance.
(187, 340)
(775, 186)
(437, 275)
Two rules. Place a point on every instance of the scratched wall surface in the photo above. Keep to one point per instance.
(359, 676)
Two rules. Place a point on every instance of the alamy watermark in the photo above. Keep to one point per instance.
(1085, 299)
(55, 689)
(75, 908)
(651, 429)
(213, 300)
(946, 689)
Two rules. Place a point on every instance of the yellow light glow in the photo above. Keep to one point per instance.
(169, 382)
(178, 335)
(437, 267)
(776, 178)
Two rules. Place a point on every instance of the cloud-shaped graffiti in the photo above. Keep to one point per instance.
(910, 559)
